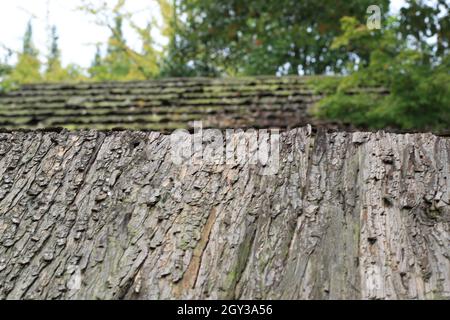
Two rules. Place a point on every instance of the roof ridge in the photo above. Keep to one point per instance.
(174, 79)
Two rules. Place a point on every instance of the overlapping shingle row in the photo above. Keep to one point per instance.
(161, 105)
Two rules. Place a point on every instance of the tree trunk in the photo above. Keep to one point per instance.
(95, 215)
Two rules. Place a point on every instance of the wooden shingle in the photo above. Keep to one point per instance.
(161, 105)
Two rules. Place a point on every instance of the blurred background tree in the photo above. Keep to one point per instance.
(121, 62)
(5, 66)
(27, 68)
(54, 71)
(261, 37)
(409, 58)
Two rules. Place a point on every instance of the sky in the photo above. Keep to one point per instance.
(77, 31)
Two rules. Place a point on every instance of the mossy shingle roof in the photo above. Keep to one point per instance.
(161, 105)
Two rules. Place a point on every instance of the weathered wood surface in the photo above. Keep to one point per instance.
(92, 215)
(160, 105)
(164, 105)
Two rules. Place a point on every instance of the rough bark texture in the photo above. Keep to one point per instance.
(109, 216)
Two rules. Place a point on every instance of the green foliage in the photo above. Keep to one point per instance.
(97, 69)
(27, 69)
(54, 52)
(121, 62)
(5, 70)
(420, 20)
(54, 71)
(116, 64)
(261, 37)
(417, 80)
(28, 46)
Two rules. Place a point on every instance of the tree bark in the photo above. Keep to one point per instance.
(95, 215)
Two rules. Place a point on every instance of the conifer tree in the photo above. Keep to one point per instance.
(54, 70)
(27, 69)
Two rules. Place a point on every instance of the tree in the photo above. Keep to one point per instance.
(116, 64)
(27, 69)
(176, 61)
(28, 45)
(147, 60)
(5, 67)
(121, 62)
(5, 70)
(108, 215)
(415, 76)
(55, 53)
(421, 21)
(54, 71)
(262, 37)
(97, 70)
